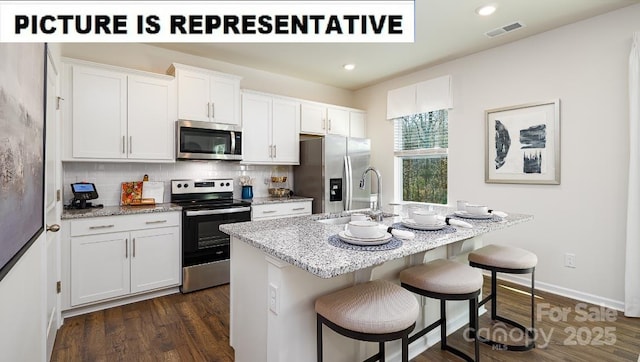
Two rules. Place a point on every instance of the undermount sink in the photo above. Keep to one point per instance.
(336, 221)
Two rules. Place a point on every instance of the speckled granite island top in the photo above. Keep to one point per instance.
(303, 241)
(118, 210)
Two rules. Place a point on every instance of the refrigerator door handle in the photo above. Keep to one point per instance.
(349, 183)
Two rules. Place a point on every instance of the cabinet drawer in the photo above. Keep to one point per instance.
(112, 224)
(285, 209)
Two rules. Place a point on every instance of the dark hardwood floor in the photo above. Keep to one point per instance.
(195, 327)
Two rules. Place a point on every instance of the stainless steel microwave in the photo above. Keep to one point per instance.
(207, 141)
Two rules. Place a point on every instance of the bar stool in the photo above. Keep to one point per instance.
(376, 311)
(446, 280)
(506, 259)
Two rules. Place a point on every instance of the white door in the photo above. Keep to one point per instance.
(150, 120)
(155, 258)
(286, 131)
(357, 125)
(225, 96)
(193, 96)
(53, 207)
(99, 267)
(99, 113)
(313, 119)
(338, 120)
(256, 129)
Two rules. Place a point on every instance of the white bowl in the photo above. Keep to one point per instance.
(425, 217)
(365, 229)
(477, 209)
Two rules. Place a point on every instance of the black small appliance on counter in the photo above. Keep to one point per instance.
(82, 192)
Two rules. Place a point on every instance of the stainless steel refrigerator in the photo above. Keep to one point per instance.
(330, 170)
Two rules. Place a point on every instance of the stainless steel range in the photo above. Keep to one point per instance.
(206, 204)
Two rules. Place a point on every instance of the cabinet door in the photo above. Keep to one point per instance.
(193, 95)
(357, 124)
(150, 119)
(99, 113)
(225, 100)
(155, 258)
(338, 121)
(286, 131)
(313, 118)
(256, 129)
(99, 267)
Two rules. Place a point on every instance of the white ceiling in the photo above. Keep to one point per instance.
(445, 30)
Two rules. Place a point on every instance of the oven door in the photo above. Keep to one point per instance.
(202, 240)
(208, 141)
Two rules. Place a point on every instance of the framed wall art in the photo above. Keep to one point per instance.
(523, 144)
(22, 112)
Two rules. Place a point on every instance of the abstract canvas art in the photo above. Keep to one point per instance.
(523, 144)
(22, 110)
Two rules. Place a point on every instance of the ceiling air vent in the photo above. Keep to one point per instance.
(504, 29)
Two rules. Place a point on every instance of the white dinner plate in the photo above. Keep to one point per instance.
(469, 215)
(413, 225)
(357, 241)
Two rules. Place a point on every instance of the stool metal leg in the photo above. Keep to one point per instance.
(474, 326)
(318, 338)
(494, 294)
(443, 324)
(529, 333)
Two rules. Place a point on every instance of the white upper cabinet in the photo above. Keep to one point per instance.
(338, 121)
(322, 119)
(271, 127)
(99, 113)
(151, 102)
(358, 124)
(313, 118)
(112, 114)
(205, 95)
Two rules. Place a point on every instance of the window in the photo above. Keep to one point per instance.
(421, 144)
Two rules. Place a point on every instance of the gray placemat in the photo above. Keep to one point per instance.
(393, 243)
(493, 218)
(445, 230)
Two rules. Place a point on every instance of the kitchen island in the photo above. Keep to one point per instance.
(279, 267)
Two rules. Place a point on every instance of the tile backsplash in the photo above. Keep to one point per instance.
(108, 176)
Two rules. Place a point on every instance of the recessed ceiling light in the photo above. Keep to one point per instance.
(349, 66)
(486, 10)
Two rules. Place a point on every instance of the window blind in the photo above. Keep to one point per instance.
(421, 134)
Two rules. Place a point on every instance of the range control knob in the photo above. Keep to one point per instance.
(179, 186)
(227, 184)
(213, 184)
(186, 185)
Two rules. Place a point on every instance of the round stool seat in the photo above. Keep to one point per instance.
(506, 257)
(375, 307)
(443, 276)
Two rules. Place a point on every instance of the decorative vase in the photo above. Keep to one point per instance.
(247, 192)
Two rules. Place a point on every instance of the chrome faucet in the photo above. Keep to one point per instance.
(378, 211)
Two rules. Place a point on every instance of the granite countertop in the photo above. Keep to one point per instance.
(276, 200)
(302, 241)
(118, 210)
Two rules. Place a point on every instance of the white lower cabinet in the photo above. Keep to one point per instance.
(276, 210)
(118, 256)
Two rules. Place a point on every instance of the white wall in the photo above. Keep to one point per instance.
(583, 64)
(154, 59)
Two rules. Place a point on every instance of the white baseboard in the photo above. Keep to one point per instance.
(565, 292)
